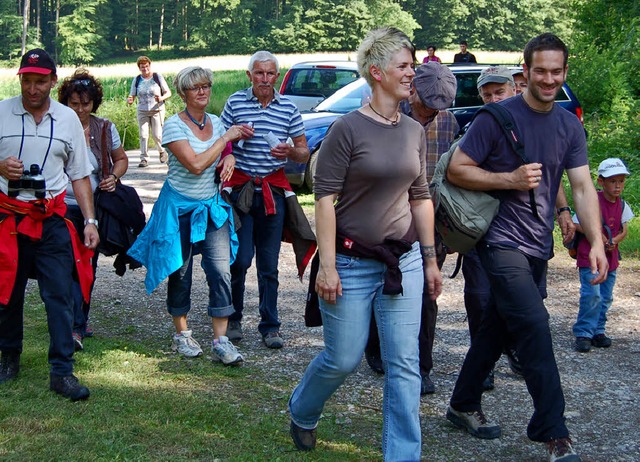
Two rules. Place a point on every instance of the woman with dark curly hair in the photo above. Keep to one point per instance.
(83, 93)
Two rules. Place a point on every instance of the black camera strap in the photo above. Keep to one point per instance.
(48, 147)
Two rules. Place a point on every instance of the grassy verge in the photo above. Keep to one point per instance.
(147, 404)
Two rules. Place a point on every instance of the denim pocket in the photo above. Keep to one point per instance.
(345, 261)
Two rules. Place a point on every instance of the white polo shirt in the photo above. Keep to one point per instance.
(60, 128)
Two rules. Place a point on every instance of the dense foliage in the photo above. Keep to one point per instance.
(89, 31)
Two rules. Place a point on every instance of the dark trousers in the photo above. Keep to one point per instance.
(50, 261)
(80, 307)
(517, 312)
(260, 234)
(477, 291)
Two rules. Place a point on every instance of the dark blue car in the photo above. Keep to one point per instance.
(356, 94)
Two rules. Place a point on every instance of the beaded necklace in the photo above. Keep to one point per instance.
(200, 125)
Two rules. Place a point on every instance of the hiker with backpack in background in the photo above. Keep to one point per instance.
(152, 91)
(595, 299)
(519, 242)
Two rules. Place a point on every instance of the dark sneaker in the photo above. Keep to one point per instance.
(164, 157)
(475, 423)
(514, 363)
(68, 386)
(374, 361)
(88, 332)
(234, 331)
(77, 341)
(9, 366)
(273, 340)
(305, 440)
(427, 387)
(489, 382)
(143, 163)
(601, 341)
(583, 344)
(560, 450)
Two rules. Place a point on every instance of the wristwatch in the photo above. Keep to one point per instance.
(563, 209)
(91, 221)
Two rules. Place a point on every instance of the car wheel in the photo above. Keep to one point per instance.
(311, 169)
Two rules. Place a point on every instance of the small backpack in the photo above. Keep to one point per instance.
(463, 216)
(155, 78)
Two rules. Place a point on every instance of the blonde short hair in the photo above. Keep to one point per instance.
(191, 76)
(379, 46)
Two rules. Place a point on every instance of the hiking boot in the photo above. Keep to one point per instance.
(273, 340)
(68, 386)
(143, 163)
(77, 342)
(489, 382)
(475, 423)
(560, 450)
(514, 363)
(9, 365)
(164, 157)
(427, 387)
(583, 344)
(225, 352)
(186, 345)
(601, 341)
(374, 361)
(234, 331)
(305, 440)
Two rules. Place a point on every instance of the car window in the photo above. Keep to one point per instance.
(467, 93)
(318, 81)
(351, 97)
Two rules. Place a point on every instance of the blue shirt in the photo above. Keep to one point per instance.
(281, 117)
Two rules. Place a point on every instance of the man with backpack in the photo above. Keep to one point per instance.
(152, 91)
(515, 250)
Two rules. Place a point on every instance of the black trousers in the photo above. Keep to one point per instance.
(518, 288)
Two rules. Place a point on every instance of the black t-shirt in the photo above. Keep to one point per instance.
(464, 58)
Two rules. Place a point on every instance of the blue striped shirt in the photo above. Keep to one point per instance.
(182, 180)
(281, 117)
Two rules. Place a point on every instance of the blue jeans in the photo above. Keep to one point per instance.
(516, 312)
(261, 235)
(49, 260)
(595, 301)
(215, 251)
(346, 329)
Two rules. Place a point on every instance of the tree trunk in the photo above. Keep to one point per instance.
(56, 29)
(161, 26)
(25, 26)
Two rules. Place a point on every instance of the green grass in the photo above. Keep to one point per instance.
(150, 406)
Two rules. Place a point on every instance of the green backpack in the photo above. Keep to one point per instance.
(463, 216)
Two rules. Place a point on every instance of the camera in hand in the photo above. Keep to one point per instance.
(30, 179)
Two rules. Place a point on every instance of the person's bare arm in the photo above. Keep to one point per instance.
(422, 211)
(299, 152)
(464, 172)
(84, 197)
(585, 200)
(328, 285)
(565, 222)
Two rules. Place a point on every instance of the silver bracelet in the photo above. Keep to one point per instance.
(428, 251)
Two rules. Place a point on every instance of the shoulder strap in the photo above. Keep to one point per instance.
(157, 80)
(504, 119)
(138, 79)
(103, 145)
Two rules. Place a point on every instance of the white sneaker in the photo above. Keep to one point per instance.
(225, 352)
(186, 345)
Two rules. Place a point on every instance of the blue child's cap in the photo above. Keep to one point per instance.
(612, 167)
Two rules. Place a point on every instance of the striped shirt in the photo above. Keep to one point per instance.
(281, 117)
(182, 180)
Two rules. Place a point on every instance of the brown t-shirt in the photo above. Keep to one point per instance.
(375, 169)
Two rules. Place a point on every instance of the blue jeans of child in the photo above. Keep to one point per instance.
(215, 252)
(346, 329)
(595, 301)
(260, 234)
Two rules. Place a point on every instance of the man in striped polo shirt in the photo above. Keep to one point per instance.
(272, 133)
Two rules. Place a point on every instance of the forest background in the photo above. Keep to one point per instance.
(603, 36)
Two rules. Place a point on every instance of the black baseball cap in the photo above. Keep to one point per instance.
(37, 61)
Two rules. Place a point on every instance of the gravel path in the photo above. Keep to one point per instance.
(601, 387)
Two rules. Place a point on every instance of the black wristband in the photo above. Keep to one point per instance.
(563, 209)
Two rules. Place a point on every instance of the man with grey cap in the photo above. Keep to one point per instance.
(433, 91)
